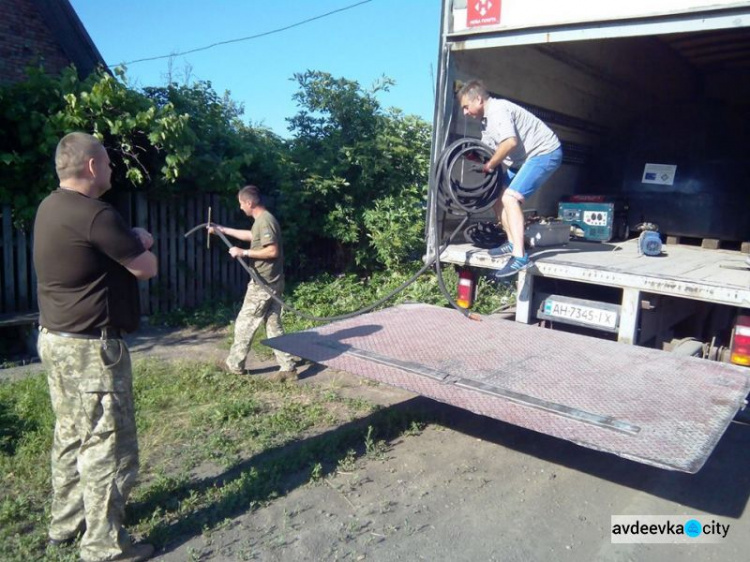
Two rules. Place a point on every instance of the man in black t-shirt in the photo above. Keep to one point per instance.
(87, 264)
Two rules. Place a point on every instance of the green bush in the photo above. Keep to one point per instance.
(330, 295)
(395, 226)
(348, 188)
(147, 144)
(352, 160)
(165, 139)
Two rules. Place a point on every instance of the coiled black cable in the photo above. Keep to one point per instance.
(485, 234)
(463, 187)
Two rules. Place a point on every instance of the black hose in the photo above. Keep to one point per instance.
(260, 281)
(466, 189)
(455, 197)
(461, 191)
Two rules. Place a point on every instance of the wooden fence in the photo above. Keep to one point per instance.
(17, 279)
(189, 273)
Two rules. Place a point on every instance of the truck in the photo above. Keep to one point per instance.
(651, 102)
(631, 333)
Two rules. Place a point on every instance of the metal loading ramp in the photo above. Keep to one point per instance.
(641, 404)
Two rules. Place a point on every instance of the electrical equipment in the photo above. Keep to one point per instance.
(539, 235)
(649, 243)
(599, 217)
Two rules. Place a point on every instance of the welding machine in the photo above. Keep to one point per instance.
(600, 218)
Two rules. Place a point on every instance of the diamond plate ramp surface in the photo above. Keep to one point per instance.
(641, 404)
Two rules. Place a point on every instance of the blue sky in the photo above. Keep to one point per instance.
(395, 38)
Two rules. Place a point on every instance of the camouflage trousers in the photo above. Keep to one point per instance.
(258, 307)
(95, 449)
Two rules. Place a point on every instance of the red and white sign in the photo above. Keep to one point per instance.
(482, 12)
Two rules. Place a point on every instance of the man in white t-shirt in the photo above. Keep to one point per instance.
(528, 151)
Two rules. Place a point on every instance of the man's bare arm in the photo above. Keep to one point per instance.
(265, 253)
(143, 266)
(244, 235)
(503, 149)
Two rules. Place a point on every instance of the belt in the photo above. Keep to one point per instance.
(106, 333)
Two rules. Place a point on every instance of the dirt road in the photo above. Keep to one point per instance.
(473, 488)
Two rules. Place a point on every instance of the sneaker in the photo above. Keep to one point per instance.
(513, 266)
(284, 376)
(502, 250)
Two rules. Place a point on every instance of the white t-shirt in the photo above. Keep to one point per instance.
(503, 120)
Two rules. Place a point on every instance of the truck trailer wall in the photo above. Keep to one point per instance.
(514, 14)
(606, 86)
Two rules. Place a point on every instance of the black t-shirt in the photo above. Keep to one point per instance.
(80, 244)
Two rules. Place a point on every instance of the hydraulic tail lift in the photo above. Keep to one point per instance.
(642, 404)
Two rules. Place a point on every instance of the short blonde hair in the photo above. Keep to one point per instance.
(73, 154)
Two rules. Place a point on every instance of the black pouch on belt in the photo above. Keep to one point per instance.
(111, 352)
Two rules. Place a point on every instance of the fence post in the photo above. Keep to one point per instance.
(190, 253)
(9, 289)
(141, 220)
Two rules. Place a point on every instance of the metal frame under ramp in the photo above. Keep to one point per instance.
(641, 404)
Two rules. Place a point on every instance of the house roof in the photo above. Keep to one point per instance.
(70, 34)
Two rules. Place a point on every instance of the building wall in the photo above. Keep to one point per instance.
(26, 40)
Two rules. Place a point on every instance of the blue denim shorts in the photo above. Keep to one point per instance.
(532, 174)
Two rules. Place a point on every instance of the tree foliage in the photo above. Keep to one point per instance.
(147, 144)
(226, 153)
(172, 138)
(359, 174)
(348, 187)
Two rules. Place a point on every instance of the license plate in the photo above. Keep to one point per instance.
(582, 314)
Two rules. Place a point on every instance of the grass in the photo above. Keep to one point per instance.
(212, 447)
(329, 295)
(210, 314)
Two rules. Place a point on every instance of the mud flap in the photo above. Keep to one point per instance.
(641, 404)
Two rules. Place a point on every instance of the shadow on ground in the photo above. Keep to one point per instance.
(274, 472)
(721, 488)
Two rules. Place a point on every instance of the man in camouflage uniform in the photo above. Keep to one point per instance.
(87, 263)
(267, 253)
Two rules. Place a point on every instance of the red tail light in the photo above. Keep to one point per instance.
(466, 288)
(741, 342)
